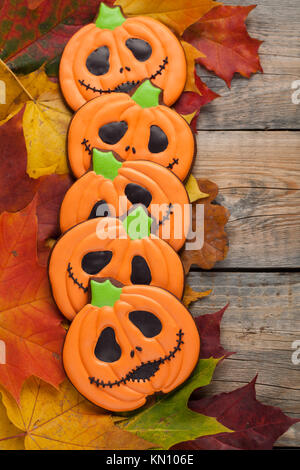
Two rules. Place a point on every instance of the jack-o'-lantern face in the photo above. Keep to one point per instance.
(115, 186)
(129, 343)
(125, 251)
(135, 127)
(115, 54)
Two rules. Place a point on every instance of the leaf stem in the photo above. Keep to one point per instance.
(16, 78)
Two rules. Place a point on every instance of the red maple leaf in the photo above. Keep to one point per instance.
(30, 328)
(256, 426)
(50, 194)
(35, 32)
(189, 101)
(222, 36)
(17, 189)
(209, 330)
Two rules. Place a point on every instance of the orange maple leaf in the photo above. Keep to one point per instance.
(215, 245)
(222, 36)
(30, 331)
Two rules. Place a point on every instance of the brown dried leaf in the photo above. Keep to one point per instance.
(215, 246)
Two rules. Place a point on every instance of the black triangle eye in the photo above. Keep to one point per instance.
(158, 141)
(100, 209)
(107, 348)
(94, 261)
(112, 132)
(146, 322)
(140, 49)
(98, 61)
(140, 272)
(137, 194)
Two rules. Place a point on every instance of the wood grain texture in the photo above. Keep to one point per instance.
(258, 174)
(249, 145)
(264, 101)
(260, 324)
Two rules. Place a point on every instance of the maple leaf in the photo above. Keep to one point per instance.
(215, 246)
(45, 124)
(256, 426)
(16, 188)
(10, 436)
(191, 54)
(165, 421)
(45, 120)
(190, 295)
(222, 36)
(209, 330)
(177, 15)
(33, 36)
(191, 102)
(51, 191)
(29, 321)
(51, 419)
(20, 89)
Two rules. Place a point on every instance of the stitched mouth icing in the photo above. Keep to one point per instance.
(124, 87)
(145, 371)
(75, 280)
(88, 149)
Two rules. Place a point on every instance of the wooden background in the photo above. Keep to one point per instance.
(249, 144)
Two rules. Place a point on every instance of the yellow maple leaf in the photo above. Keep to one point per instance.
(10, 436)
(193, 190)
(45, 125)
(45, 120)
(178, 15)
(63, 420)
(18, 90)
(191, 54)
(191, 295)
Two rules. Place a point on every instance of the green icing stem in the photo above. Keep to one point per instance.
(137, 224)
(109, 18)
(147, 95)
(104, 293)
(105, 164)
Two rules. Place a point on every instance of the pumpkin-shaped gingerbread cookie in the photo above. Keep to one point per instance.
(114, 186)
(115, 54)
(108, 247)
(136, 127)
(129, 343)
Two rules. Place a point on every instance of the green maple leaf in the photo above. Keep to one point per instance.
(169, 420)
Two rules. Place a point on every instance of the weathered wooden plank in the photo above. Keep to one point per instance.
(264, 101)
(260, 324)
(277, 23)
(259, 178)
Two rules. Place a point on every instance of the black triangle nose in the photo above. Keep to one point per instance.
(107, 349)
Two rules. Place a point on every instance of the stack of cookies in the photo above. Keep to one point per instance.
(115, 272)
